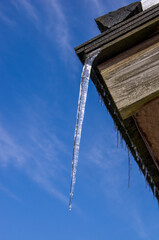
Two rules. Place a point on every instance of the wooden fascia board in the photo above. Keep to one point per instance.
(116, 32)
(132, 77)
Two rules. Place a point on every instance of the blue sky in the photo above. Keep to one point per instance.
(40, 78)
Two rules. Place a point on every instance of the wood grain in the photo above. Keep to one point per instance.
(133, 80)
(147, 119)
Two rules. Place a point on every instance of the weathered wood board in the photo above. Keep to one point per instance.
(133, 77)
(147, 120)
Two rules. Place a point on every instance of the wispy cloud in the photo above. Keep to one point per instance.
(46, 184)
(10, 151)
(57, 27)
(113, 181)
(51, 21)
(9, 193)
(10, 22)
(138, 225)
(108, 159)
(28, 7)
(97, 6)
(38, 159)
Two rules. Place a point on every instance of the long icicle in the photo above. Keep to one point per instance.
(80, 116)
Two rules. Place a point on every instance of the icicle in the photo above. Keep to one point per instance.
(137, 155)
(146, 173)
(100, 100)
(80, 115)
(137, 158)
(115, 128)
(155, 191)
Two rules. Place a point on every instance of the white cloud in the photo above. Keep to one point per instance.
(51, 21)
(139, 226)
(10, 151)
(7, 20)
(45, 183)
(39, 159)
(29, 8)
(113, 180)
(57, 26)
(97, 6)
(9, 193)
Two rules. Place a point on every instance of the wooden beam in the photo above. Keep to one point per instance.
(132, 77)
(135, 30)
